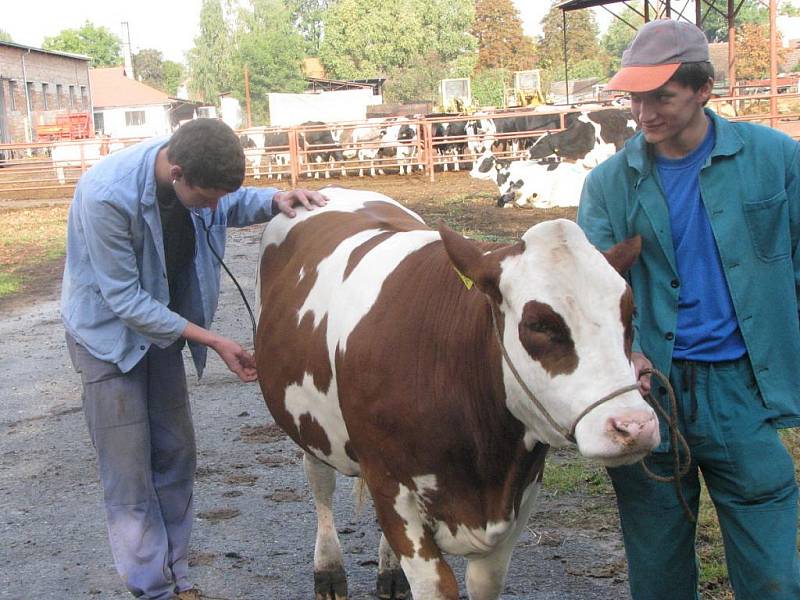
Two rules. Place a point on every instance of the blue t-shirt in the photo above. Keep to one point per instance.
(707, 329)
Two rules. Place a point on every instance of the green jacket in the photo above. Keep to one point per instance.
(750, 187)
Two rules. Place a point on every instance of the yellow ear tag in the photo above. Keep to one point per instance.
(468, 283)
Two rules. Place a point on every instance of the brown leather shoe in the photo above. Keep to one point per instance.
(190, 594)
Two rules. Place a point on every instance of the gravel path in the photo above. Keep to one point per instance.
(254, 534)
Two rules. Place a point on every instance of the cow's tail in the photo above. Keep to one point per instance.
(361, 494)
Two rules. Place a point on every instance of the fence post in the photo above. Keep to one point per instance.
(294, 156)
(429, 148)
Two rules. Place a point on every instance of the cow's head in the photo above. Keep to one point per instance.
(565, 316)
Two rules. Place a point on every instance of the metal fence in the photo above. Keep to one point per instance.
(439, 143)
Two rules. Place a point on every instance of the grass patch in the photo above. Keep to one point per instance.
(9, 283)
(569, 473)
(30, 236)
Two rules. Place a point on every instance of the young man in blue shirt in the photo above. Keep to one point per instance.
(717, 205)
(139, 282)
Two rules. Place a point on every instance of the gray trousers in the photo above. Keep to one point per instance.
(141, 427)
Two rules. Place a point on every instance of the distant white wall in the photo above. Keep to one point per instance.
(155, 121)
(286, 110)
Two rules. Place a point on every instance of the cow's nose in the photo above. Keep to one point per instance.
(635, 429)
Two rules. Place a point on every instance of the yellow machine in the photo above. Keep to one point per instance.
(455, 95)
(527, 90)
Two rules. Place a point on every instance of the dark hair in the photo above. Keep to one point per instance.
(694, 74)
(210, 154)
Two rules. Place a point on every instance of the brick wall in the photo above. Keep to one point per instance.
(55, 72)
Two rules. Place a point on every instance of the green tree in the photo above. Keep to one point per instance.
(98, 43)
(173, 76)
(210, 58)
(5, 36)
(620, 34)
(148, 66)
(582, 44)
(307, 16)
(488, 86)
(272, 49)
(419, 80)
(366, 39)
(501, 42)
(789, 9)
(750, 11)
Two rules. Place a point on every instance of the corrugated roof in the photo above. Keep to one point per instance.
(110, 88)
(35, 49)
(578, 4)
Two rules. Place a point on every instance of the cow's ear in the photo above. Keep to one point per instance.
(623, 255)
(470, 261)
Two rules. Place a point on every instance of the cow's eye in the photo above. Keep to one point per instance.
(537, 327)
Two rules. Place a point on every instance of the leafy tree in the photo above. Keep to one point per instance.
(582, 44)
(488, 86)
(148, 66)
(307, 16)
(98, 43)
(366, 39)
(620, 34)
(501, 42)
(789, 9)
(419, 80)
(752, 49)
(173, 76)
(272, 49)
(210, 59)
(716, 27)
(5, 36)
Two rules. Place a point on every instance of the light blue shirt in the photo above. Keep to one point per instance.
(115, 293)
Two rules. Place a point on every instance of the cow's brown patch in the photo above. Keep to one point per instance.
(360, 252)
(547, 338)
(313, 434)
(626, 309)
(422, 392)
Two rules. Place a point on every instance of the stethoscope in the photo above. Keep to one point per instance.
(199, 215)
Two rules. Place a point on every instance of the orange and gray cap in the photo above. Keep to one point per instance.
(655, 54)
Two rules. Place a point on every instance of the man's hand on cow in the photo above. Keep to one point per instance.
(640, 363)
(237, 359)
(286, 201)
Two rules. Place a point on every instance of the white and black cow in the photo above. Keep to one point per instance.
(321, 149)
(559, 162)
(263, 146)
(380, 363)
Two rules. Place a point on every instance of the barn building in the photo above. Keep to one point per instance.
(40, 88)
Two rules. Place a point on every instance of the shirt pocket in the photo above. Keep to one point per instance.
(768, 225)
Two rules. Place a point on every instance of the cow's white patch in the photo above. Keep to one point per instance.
(324, 408)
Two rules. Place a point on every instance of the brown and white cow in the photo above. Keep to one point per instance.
(379, 362)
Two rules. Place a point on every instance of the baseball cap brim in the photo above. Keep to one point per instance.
(642, 78)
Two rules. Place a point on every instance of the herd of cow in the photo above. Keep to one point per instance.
(535, 159)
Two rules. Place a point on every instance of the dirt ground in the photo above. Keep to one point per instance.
(254, 530)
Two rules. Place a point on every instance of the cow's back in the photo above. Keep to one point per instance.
(319, 274)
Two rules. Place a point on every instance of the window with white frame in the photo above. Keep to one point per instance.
(134, 118)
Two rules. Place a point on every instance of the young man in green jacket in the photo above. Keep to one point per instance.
(717, 205)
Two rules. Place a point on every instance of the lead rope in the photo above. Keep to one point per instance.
(676, 438)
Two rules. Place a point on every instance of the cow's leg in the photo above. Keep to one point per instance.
(330, 581)
(392, 582)
(429, 575)
(486, 575)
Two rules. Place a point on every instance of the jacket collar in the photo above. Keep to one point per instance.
(149, 192)
(639, 153)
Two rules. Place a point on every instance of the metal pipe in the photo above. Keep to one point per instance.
(28, 108)
(773, 61)
(731, 49)
(566, 60)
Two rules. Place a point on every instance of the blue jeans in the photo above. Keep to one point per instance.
(750, 478)
(141, 427)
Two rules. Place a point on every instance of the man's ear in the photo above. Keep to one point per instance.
(175, 171)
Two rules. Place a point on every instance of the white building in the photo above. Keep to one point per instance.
(125, 107)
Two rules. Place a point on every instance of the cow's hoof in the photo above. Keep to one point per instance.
(393, 585)
(330, 585)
